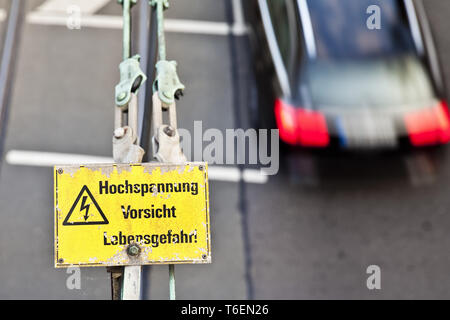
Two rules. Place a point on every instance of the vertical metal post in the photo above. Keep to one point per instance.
(131, 282)
(161, 37)
(141, 41)
(131, 286)
(162, 56)
(172, 282)
(132, 274)
(126, 29)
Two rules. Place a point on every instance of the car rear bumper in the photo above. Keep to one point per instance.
(365, 130)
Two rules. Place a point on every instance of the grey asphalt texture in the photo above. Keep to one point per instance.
(313, 229)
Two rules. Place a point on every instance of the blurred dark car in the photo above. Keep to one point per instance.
(326, 79)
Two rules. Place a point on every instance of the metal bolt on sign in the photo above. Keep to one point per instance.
(133, 250)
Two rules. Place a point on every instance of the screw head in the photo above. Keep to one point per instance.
(169, 131)
(201, 168)
(133, 250)
(60, 260)
(204, 256)
(60, 171)
(119, 133)
(122, 96)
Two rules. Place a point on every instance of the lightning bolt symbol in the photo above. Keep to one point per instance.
(85, 206)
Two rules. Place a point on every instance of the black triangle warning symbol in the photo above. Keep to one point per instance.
(85, 211)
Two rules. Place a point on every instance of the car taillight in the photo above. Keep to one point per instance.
(300, 126)
(429, 126)
(286, 119)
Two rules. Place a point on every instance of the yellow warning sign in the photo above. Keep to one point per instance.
(131, 214)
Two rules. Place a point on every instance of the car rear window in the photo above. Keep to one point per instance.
(341, 32)
(401, 82)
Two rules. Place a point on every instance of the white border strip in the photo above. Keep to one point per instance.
(50, 159)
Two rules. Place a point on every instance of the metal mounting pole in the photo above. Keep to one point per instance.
(162, 56)
(125, 148)
(161, 38)
(126, 28)
(172, 282)
(166, 141)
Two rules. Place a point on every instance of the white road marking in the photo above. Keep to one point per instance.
(198, 27)
(239, 27)
(93, 21)
(50, 159)
(115, 22)
(54, 13)
(60, 6)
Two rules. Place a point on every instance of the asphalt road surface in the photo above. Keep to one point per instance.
(309, 232)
